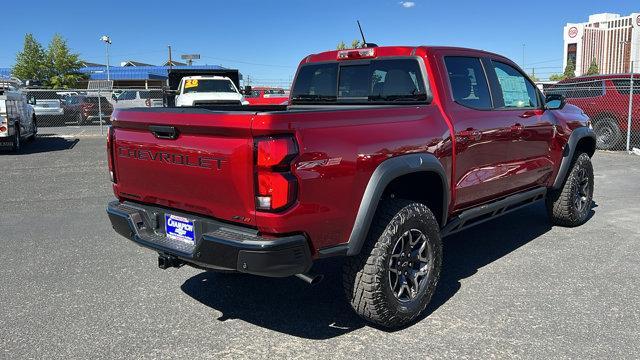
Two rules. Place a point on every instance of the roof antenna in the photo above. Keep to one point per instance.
(364, 42)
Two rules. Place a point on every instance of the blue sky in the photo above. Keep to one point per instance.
(266, 39)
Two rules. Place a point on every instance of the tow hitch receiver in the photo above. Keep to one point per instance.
(168, 261)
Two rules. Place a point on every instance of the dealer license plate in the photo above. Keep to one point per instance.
(179, 228)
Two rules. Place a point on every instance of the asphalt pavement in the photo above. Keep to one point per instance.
(515, 287)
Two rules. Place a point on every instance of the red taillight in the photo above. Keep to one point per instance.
(110, 154)
(276, 187)
(275, 151)
(3, 129)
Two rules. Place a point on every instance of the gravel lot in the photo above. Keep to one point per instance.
(512, 288)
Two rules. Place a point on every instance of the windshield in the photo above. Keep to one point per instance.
(209, 85)
(377, 81)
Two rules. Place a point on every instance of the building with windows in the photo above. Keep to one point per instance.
(611, 39)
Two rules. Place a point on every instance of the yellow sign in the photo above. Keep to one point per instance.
(190, 83)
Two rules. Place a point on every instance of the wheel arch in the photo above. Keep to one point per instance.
(398, 176)
(582, 139)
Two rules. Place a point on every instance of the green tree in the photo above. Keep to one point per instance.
(63, 64)
(30, 62)
(354, 45)
(533, 77)
(593, 68)
(556, 77)
(570, 70)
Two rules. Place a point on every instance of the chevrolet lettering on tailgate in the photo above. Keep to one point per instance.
(205, 162)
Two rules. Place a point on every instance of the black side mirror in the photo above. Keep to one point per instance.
(555, 102)
(247, 90)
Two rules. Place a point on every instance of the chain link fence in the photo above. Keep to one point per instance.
(613, 104)
(81, 107)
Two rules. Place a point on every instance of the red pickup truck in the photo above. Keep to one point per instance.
(381, 152)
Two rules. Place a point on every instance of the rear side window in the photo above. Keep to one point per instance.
(468, 82)
(585, 89)
(564, 89)
(624, 86)
(516, 90)
(377, 81)
(316, 82)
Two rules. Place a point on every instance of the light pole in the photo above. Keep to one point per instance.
(107, 41)
(630, 94)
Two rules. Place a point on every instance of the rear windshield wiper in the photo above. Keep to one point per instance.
(414, 97)
(319, 98)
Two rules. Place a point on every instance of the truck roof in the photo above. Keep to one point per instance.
(201, 77)
(386, 51)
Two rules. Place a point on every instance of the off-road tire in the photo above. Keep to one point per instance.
(79, 119)
(608, 134)
(366, 277)
(32, 137)
(17, 140)
(564, 205)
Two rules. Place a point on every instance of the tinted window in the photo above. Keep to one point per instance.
(94, 99)
(624, 86)
(562, 89)
(588, 89)
(199, 85)
(316, 81)
(516, 90)
(468, 82)
(127, 95)
(396, 80)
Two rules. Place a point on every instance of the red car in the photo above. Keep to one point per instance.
(83, 109)
(381, 152)
(267, 96)
(605, 99)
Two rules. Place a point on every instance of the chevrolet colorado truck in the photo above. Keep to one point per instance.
(381, 152)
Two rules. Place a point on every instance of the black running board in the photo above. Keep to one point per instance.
(480, 214)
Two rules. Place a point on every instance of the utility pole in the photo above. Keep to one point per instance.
(170, 61)
(630, 108)
(523, 45)
(107, 41)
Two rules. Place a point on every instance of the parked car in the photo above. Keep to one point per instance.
(266, 96)
(380, 153)
(82, 109)
(137, 98)
(605, 99)
(17, 118)
(208, 90)
(47, 106)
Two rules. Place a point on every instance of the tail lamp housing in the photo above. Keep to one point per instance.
(110, 153)
(276, 187)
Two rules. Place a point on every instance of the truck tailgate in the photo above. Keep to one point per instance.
(207, 168)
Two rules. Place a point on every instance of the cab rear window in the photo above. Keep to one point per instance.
(376, 81)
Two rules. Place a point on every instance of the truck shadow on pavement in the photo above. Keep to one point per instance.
(292, 307)
(43, 144)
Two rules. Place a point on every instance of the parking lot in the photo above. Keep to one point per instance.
(514, 287)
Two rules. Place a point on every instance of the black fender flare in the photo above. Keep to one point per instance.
(386, 172)
(569, 151)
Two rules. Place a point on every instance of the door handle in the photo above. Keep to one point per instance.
(517, 128)
(470, 134)
(531, 113)
(164, 132)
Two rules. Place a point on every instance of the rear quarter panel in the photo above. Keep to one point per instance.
(339, 150)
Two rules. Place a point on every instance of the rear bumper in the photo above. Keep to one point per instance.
(217, 246)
